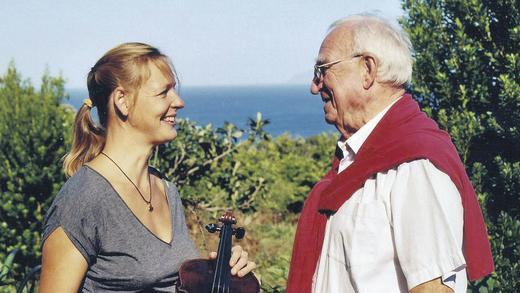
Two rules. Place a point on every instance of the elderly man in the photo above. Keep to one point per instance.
(396, 212)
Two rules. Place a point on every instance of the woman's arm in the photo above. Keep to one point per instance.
(63, 266)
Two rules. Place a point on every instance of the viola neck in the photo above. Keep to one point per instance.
(222, 275)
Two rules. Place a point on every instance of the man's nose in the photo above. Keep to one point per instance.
(316, 85)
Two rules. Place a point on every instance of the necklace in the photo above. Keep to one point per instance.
(148, 202)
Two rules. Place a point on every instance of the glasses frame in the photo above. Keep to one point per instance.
(319, 69)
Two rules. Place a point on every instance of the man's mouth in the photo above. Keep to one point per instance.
(326, 95)
(327, 106)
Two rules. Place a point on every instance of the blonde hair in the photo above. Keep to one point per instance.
(126, 65)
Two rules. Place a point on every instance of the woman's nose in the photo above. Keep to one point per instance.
(177, 102)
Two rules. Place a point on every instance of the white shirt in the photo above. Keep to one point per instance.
(401, 229)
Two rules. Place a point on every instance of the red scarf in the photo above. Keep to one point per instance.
(404, 134)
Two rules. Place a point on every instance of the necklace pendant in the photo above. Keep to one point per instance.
(150, 207)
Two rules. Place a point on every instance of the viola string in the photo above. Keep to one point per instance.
(217, 279)
(217, 265)
(222, 276)
(222, 279)
(225, 277)
(226, 272)
(216, 268)
(228, 276)
(224, 249)
(221, 258)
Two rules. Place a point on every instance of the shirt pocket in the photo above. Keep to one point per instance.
(372, 235)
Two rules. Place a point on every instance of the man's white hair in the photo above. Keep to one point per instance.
(389, 43)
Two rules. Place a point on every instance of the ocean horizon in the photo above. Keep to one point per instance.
(290, 109)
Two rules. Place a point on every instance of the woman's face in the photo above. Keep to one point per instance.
(155, 109)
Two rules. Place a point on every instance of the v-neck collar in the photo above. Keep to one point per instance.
(132, 214)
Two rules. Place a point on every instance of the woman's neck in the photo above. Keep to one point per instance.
(130, 155)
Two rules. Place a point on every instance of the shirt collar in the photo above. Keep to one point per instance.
(351, 146)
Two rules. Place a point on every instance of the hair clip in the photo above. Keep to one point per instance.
(88, 103)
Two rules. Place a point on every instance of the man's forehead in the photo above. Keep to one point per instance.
(327, 51)
(335, 44)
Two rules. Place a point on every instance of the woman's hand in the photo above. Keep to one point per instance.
(239, 261)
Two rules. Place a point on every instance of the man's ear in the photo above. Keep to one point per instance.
(370, 64)
(121, 102)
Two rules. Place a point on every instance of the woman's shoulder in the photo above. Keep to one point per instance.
(82, 189)
(79, 201)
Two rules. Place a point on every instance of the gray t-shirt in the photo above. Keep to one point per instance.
(122, 254)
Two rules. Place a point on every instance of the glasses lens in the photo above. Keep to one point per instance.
(317, 73)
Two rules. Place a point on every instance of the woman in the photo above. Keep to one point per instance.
(116, 225)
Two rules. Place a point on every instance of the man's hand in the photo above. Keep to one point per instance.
(239, 262)
(433, 286)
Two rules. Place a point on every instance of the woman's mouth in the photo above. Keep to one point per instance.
(170, 120)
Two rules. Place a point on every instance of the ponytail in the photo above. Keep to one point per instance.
(88, 141)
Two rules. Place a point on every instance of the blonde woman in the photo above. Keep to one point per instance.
(116, 224)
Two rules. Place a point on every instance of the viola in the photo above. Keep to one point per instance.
(214, 276)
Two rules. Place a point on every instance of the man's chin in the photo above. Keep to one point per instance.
(330, 120)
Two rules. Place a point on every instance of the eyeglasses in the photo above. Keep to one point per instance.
(319, 69)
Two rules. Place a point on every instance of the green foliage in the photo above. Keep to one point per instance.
(274, 254)
(34, 129)
(264, 180)
(256, 128)
(6, 268)
(467, 77)
(247, 175)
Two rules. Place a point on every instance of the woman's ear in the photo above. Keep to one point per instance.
(121, 102)
(370, 64)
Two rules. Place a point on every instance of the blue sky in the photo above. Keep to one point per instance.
(224, 42)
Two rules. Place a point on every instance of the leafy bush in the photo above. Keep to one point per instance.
(264, 181)
(6, 269)
(34, 133)
(467, 78)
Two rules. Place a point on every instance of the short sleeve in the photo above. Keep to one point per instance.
(78, 221)
(427, 218)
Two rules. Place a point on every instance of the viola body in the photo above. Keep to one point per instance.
(196, 276)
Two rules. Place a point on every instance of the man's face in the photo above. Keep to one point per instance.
(340, 85)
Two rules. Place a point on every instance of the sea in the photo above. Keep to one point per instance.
(290, 109)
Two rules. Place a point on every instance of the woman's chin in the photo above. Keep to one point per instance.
(172, 136)
(166, 138)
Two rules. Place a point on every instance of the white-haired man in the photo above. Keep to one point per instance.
(396, 212)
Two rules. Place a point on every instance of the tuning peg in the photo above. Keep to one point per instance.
(212, 228)
(239, 232)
